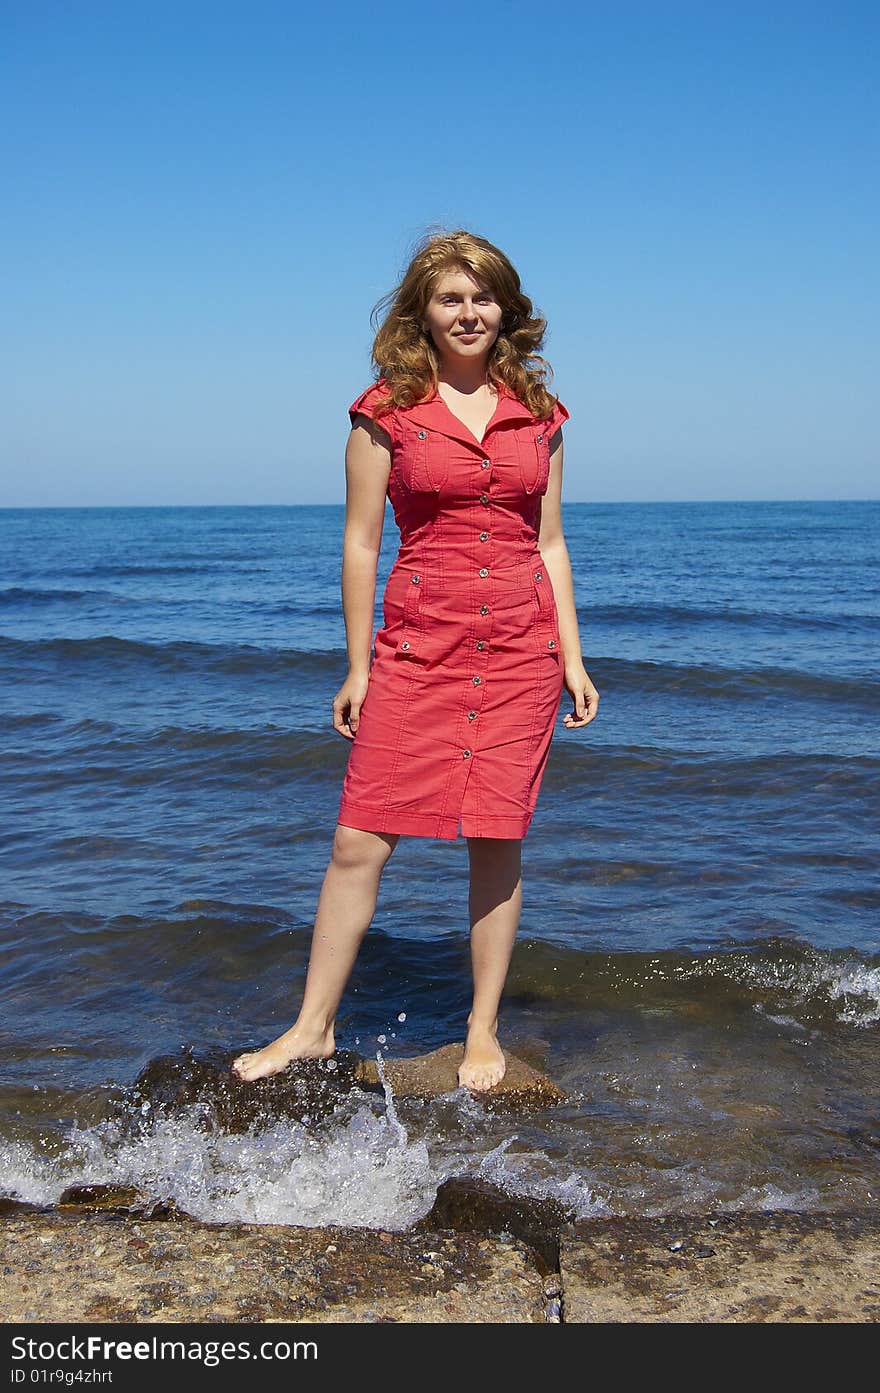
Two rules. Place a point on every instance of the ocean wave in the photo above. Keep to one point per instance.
(126, 654)
(782, 979)
(22, 594)
(657, 615)
(701, 681)
(647, 678)
(360, 1168)
(757, 778)
(199, 565)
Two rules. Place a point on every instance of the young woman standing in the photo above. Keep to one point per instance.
(451, 721)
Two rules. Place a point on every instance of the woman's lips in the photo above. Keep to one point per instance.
(467, 338)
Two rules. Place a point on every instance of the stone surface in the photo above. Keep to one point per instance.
(104, 1267)
(777, 1266)
(430, 1075)
(171, 1083)
(110, 1265)
(309, 1088)
(118, 1199)
(469, 1205)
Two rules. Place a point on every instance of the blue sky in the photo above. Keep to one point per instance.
(204, 201)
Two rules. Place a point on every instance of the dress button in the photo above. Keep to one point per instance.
(404, 645)
(551, 643)
(485, 464)
(481, 645)
(484, 536)
(540, 440)
(484, 498)
(477, 681)
(416, 579)
(423, 433)
(484, 609)
(483, 571)
(539, 575)
(466, 754)
(472, 715)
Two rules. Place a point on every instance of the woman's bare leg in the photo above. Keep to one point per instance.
(346, 906)
(495, 905)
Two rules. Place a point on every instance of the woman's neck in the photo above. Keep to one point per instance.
(464, 382)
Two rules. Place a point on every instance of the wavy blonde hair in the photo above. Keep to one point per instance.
(406, 356)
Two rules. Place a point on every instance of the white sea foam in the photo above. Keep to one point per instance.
(767, 1197)
(778, 1019)
(28, 1174)
(851, 988)
(854, 983)
(530, 1174)
(361, 1168)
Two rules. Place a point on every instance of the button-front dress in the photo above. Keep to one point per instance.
(466, 672)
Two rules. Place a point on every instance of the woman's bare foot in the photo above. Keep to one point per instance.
(484, 1064)
(297, 1043)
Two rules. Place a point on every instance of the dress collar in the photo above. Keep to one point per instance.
(435, 415)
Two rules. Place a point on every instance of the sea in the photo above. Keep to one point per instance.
(698, 962)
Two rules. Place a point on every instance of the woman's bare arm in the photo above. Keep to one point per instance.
(367, 467)
(554, 551)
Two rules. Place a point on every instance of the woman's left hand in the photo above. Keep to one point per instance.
(584, 696)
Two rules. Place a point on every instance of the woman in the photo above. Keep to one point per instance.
(452, 721)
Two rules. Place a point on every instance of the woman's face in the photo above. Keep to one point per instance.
(462, 317)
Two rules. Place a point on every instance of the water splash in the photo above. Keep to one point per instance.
(529, 1174)
(361, 1171)
(849, 989)
(768, 1197)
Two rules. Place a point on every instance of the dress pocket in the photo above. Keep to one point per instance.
(423, 459)
(403, 619)
(542, 449)
(546, 627)
(419, 628)
(534, 448)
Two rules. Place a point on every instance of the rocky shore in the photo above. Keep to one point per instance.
(104, 1254)
(73, 1264)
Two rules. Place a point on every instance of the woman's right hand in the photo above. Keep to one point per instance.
(348, 702)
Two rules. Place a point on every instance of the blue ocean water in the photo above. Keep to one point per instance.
(703, 859)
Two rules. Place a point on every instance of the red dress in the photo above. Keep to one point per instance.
(466, 672)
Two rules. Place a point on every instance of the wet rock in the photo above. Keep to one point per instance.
(431, 1075)
(118, 1199)
(307, 1088)
(777, 1266)
(102, 1268)
(8, 1205)
(864, 1137)
(468, 1205)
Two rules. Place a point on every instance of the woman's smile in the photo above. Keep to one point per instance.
(458, 298)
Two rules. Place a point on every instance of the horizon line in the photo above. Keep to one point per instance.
(589, 502)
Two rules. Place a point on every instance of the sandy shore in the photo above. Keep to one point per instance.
(73, 1264)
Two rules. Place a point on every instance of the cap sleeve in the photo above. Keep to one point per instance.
(558, 415)
(367, 402)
